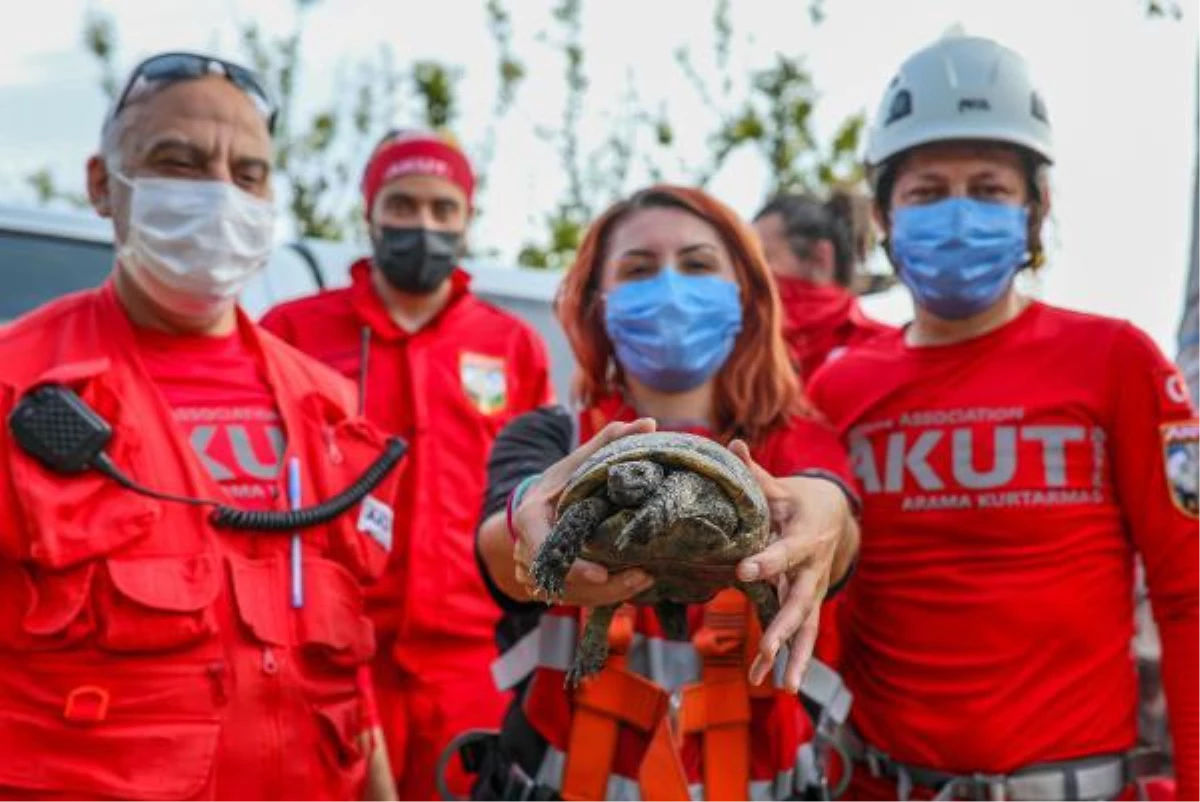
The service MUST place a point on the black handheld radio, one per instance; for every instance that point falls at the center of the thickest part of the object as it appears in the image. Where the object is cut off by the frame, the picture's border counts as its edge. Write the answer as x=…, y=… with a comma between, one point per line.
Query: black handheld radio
x=57, y=428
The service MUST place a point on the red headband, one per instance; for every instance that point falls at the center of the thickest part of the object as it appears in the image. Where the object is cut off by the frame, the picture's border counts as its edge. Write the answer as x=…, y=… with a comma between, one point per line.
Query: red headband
x=421, y=155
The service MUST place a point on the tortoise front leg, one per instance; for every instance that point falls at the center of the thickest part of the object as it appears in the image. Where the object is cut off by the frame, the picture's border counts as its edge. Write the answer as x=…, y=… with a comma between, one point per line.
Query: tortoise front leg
x=562, y=546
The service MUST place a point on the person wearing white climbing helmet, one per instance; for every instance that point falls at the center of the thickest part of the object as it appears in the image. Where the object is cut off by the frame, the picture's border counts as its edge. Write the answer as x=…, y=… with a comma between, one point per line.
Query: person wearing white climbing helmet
x=1014, y=457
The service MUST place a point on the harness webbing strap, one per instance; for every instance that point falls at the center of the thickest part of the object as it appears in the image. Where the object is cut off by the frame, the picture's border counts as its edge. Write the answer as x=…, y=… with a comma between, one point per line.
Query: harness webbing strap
x=719, y=705
x=1096, y=777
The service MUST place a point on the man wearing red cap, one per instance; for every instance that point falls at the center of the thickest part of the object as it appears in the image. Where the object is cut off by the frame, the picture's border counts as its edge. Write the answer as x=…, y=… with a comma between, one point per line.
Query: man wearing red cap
x=445, y=371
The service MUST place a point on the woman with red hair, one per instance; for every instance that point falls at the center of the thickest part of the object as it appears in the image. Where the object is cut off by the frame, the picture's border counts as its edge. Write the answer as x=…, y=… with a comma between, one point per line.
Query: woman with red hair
x=676, y=325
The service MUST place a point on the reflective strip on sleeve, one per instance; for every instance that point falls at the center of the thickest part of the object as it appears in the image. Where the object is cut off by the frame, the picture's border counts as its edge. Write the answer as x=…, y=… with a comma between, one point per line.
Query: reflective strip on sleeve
x=556, y=648
x=551, y=645
x=512, y=667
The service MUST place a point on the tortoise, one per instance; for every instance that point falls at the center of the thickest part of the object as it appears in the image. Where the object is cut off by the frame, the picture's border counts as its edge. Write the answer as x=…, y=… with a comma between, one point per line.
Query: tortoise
x=681, y=507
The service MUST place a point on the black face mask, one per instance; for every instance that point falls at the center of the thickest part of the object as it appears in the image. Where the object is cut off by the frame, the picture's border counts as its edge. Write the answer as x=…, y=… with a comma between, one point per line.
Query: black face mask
x=416, y=260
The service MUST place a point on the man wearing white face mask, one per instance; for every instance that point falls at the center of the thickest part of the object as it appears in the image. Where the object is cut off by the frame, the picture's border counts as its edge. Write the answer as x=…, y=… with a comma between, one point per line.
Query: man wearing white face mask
x=144, y=652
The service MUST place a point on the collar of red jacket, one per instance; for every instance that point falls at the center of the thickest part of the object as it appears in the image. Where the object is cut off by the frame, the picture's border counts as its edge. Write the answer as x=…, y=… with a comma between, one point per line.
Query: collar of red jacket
x=371, y=311
x=124, y=330
x=812, y=307
x=119, y=343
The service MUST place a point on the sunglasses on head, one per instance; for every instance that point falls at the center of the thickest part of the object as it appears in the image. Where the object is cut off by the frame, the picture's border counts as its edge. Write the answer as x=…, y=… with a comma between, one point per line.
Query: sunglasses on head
x=171, y=67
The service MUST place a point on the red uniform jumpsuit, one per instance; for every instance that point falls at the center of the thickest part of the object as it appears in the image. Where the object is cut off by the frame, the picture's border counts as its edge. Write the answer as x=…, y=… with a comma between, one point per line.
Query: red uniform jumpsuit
x=143, y=653
x=447, y=389
x=1007, y=482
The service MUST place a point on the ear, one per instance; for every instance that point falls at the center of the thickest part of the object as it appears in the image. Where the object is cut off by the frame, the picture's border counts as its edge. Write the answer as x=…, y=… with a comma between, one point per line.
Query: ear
x=1044, y=197
x=98, y=186
x=883, y=225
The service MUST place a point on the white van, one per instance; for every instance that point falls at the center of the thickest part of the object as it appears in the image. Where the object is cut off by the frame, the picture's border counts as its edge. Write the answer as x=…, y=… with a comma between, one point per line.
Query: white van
x=46, y=253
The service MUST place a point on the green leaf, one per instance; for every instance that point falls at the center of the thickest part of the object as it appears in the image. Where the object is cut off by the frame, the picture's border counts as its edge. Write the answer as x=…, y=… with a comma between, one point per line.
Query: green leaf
x=664, y=134
x=533, y=256
x=436, y=86
x=747, y=128
x=849, y=134
x=100, y=39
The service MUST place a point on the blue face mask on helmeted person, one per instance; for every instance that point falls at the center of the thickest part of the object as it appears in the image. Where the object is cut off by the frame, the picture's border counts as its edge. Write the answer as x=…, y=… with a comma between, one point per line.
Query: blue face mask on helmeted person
x=672, y=332
x=959, y=256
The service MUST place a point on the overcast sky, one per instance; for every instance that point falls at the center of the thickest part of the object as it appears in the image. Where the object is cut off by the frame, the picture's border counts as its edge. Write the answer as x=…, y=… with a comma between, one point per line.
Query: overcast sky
x=1120, y=90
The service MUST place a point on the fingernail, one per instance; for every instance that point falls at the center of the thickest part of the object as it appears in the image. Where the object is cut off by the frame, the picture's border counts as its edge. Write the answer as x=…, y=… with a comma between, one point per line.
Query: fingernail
x=636, y=580
x=749, y=571
x=593, y=574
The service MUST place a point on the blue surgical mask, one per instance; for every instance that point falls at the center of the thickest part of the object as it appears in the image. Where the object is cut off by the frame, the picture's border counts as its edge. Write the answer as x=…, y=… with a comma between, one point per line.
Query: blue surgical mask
x=672, y=332
x=959, y=256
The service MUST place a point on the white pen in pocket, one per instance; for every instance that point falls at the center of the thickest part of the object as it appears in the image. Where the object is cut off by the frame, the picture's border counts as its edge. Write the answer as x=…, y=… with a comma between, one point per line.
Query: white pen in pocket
x=294, y=502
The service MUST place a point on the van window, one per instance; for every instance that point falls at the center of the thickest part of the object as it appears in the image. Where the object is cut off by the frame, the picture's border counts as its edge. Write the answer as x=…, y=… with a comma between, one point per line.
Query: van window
x=36, y=268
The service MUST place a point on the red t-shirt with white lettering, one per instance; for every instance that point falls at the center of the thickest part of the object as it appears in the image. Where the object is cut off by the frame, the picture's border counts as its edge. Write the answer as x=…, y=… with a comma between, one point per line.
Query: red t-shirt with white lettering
x=221, y=400
x=1007, y=482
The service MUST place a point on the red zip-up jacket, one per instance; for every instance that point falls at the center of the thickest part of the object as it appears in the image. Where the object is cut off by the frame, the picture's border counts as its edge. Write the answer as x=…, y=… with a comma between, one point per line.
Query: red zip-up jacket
x=447, y=389
x=145, y=654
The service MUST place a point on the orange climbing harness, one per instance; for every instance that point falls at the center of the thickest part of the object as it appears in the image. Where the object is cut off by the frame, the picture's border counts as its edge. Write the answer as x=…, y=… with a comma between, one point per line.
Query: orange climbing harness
x=717, y=708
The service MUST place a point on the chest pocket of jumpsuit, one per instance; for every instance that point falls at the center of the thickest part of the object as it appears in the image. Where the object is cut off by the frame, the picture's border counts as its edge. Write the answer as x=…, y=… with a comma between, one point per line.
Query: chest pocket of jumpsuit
x=331, y=627
x=360, y=539
x=129, y=570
